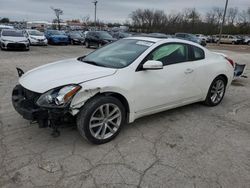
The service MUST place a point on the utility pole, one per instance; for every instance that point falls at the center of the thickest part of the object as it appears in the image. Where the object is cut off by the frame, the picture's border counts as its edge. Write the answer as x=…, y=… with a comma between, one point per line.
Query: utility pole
x=95, y=3
x=223, y=20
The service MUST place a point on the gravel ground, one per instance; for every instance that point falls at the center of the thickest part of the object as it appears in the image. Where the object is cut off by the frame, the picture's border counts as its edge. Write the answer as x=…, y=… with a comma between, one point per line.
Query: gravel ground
x=192, y=146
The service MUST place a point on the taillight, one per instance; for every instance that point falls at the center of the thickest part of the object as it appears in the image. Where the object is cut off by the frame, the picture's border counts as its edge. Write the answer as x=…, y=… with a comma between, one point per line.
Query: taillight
x=230, y=61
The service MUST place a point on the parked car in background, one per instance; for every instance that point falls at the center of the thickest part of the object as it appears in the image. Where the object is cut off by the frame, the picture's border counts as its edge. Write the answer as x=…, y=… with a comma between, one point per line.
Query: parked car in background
x=158, y=35
x=5, y=27
x=121, y=82
x=190, y=37
x=247, y=40
x=121, y=35
x=240, y=38
x=35, y=37
x=202, y=37
x=85, y=33
x=227, y=39
x=76, y=37
x=56, y=37
x=13, y=39
x=98, y=38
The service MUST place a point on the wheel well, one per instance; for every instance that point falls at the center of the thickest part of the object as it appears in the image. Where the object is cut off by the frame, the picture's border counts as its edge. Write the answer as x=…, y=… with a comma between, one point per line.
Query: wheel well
x=120, y=98
x=224, y=76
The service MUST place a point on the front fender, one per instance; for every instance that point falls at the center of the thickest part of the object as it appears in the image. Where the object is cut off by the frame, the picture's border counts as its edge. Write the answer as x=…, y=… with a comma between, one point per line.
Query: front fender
x=87, y=93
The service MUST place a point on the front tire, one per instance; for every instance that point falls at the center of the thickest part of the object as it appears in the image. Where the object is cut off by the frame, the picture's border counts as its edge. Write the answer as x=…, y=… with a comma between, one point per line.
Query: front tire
x=216, y=91
x=101, y=119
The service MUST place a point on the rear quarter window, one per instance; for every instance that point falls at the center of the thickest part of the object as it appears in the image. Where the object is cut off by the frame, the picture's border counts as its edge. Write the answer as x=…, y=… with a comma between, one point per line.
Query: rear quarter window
x=198, y=53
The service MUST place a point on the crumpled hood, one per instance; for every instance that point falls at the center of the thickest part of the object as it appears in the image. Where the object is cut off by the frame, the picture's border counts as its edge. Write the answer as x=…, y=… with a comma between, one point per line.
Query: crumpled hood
x=14, y=39
x=71, y=71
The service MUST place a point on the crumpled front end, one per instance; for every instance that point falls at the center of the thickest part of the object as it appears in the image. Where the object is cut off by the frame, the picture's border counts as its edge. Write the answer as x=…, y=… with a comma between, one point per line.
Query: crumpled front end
x=24, y=102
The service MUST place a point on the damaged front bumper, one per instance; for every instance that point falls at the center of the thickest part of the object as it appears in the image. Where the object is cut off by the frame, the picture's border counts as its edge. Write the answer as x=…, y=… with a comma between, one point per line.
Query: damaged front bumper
x=24, y=102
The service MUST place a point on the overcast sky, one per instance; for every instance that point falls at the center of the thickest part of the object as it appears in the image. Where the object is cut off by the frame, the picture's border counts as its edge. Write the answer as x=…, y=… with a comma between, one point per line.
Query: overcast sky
x=108, y=10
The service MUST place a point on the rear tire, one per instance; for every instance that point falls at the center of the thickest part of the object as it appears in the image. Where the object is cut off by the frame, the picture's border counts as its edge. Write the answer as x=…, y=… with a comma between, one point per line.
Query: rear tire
x=216, y=91
x=101, y=119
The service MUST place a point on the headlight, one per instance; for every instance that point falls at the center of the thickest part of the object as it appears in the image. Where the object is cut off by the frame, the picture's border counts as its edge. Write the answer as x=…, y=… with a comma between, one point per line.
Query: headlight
x=58, y=97
x=24, y=41
x=33, y=38
x=6, y=40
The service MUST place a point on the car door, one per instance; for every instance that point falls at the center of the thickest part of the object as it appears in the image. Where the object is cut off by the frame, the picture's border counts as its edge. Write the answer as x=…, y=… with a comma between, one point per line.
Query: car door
x=170, y=86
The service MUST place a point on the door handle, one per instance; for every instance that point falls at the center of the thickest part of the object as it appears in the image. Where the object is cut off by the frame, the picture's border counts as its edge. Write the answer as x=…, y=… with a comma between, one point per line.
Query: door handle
x=189, y=71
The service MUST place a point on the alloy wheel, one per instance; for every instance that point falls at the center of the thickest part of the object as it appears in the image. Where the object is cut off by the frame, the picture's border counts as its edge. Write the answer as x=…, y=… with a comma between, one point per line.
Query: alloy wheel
x=105, y=121
x=217, y=91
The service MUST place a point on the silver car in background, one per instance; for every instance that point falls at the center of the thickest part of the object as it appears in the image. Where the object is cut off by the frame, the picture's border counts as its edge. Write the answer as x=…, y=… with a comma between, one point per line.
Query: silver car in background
x=13, y=39
x=36, y=37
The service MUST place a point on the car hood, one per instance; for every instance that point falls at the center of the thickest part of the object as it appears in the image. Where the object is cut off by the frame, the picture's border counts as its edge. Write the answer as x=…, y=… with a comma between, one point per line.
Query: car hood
x=14, y=39
x=59, y=36
x=71, y=71
x=37, y=37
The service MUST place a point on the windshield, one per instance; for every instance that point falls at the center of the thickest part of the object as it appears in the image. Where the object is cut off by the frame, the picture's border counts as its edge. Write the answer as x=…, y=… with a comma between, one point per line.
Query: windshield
x=76, y=35
x=56, y=32
x=35, y=33
x=12, y=33
x=104, y=35
x=118, y=54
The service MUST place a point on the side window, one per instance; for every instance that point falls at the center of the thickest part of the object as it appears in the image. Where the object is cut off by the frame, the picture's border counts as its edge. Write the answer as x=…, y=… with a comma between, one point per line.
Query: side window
x=170, y=54
x=198, y=53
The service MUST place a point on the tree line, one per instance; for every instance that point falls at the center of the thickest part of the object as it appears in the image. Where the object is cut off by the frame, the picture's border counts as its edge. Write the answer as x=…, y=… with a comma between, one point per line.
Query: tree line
x=191, y=21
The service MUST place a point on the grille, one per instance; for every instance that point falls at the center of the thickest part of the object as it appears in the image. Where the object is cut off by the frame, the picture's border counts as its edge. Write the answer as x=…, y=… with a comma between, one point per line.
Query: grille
x=30, y=95
x=16, y=45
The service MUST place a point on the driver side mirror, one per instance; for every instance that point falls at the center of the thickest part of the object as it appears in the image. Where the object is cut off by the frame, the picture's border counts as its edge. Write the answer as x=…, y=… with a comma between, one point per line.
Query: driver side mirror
x=152, y=65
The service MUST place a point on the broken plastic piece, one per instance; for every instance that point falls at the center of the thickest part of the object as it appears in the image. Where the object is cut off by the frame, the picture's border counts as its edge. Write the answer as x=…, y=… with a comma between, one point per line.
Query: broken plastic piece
x=20, y=72
x=239, y=70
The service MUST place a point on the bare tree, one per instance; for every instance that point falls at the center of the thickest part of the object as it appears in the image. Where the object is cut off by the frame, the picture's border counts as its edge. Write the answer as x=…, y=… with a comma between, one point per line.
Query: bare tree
x=58, y=12
x=218, y=14
x=231, y=15
x=192, y=15
x=243, y=16
x=148, y=20
x=211, y=17
x=86, y=20
x=190, y=20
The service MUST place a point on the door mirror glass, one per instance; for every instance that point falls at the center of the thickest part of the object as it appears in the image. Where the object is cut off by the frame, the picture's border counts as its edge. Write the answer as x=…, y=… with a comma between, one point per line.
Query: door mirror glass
x=152, y=65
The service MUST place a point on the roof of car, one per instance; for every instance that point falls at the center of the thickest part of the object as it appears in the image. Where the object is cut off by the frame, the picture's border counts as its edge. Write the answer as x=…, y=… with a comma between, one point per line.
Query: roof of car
x=155, y=40
x=12, y=30
x=150, y=39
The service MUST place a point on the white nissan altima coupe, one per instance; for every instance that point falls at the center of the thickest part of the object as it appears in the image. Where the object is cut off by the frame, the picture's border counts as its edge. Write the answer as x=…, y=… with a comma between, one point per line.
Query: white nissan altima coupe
x=121, y=82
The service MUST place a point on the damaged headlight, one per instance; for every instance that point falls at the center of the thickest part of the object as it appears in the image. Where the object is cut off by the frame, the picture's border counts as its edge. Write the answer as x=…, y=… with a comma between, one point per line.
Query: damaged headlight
x=58, y=97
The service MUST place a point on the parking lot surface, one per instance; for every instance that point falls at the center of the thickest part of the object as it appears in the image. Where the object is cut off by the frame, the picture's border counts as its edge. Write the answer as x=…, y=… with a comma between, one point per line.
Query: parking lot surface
x=192, y=146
